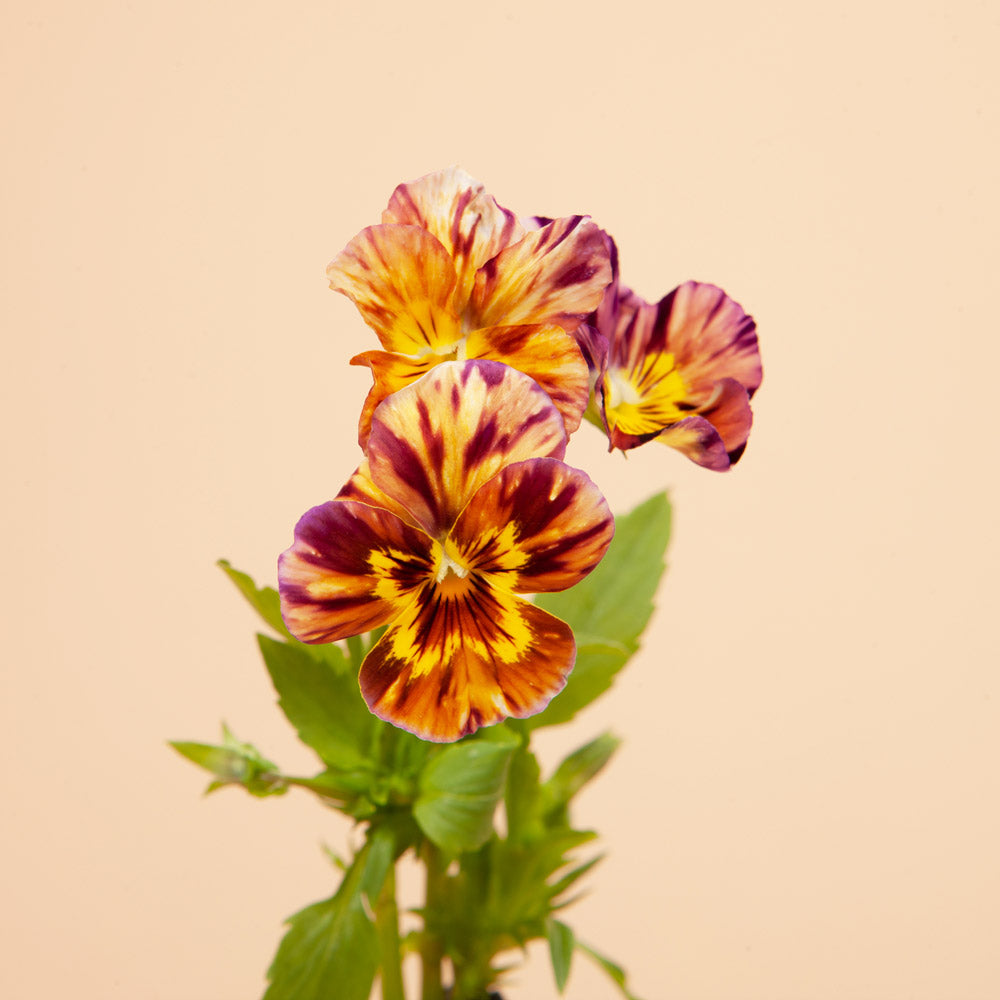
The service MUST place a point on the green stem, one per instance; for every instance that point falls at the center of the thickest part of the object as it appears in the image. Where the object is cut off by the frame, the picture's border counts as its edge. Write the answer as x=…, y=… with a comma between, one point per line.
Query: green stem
x=431, y=948
x=387, y=929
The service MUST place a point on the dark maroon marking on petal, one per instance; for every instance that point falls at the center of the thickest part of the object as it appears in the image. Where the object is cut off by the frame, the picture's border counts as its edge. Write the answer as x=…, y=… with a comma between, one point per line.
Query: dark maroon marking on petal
x=577, y=274
x=482, y=442
x=493, y=372
x=433, y=443
x=737, y=453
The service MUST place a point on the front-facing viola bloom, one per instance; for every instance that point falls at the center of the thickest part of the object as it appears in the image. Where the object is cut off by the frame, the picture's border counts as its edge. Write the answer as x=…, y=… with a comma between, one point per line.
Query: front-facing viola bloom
x=680, y=371
x=461, y=504
x=451, y=275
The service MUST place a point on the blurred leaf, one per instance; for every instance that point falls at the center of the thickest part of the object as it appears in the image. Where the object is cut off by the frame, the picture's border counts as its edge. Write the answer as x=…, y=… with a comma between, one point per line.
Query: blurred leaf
x=576, y=770
x=561, y=944
x=234, y=763
x=264, y=600
x=324, y=705
x=609, y=610
x=331, y=948
x=460, y=789
x=522, y=802
x=615, y=972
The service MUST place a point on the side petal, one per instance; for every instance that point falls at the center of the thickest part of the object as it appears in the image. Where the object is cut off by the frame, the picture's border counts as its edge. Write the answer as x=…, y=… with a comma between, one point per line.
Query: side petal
x=351, y=568
x=401, y=279
x=468, y=222
x=450, y=665
x=710, y=335
x=556, y=274
x=434, y=443
x=550, y=355
x=390, y=373
x=536, y=526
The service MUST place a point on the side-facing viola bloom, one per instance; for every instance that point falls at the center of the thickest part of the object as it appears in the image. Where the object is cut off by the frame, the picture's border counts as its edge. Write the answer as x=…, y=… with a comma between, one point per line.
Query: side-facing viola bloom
x=451, y=275
x=681, y=371
x=461, y=504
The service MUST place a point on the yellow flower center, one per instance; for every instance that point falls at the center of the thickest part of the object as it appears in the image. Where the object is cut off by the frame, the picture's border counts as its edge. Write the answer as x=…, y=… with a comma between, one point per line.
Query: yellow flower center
x=648, y=399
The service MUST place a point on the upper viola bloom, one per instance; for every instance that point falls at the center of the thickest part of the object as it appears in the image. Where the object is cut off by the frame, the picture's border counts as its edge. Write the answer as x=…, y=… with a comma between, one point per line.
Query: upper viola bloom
x=681, y=371
x=461, y=504
x=450, y=275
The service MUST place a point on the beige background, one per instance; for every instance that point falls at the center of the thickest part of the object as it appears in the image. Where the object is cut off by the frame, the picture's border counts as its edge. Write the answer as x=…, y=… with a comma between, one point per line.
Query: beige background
x=807, y=802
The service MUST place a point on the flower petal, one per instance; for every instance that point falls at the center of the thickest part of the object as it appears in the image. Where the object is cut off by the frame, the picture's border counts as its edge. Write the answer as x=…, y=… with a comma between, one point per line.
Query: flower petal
x=452, y=664
x=401, y=279
x=710, y=335
x=550, y=355
x=536, y=526
x=729, y=413
x=556, y=274
x=391, y=372
x=361, y=488
x=700, y=441
x=434, y=443
x=468, y=222
x=351, y=568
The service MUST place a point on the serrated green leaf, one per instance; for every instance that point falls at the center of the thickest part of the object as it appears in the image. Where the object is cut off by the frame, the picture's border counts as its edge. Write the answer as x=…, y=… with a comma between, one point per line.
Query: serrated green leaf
x=460, y=789
x=331, y=948
x=615, y=972
x=561, y=944
x=264, y=600
x=323, y=704
x=581, y=766
x=609, y=610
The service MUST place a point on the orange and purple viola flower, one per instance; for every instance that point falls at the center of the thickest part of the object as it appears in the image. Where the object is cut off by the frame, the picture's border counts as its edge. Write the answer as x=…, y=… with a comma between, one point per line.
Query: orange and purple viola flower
x=461, y=504
x=451, y=275
x=681, y=371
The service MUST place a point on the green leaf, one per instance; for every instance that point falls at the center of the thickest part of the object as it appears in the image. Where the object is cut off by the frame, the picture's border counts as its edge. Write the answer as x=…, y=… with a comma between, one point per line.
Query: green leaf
x=322, y=703
x=523, y=797
x=609, y=610
x=460, y=789
x=561, y=944
x=234, y=763
x=576, y=770
x=615, y=972
x=331, y=947
x=264, y=600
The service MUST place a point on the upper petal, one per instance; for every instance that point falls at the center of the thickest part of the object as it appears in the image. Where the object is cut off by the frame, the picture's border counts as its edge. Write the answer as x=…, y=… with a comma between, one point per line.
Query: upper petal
x=351, y=568
x=556, y=274
x=467, y=221
x=710, y=335
x=536, y=526
x=435, y=442
x=451, y=664
x=390, y=373
x=401, y=279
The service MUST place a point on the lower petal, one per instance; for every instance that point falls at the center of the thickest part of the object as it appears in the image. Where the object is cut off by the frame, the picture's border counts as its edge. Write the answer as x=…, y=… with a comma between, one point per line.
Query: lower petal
x=451, y=664
x=390, y=373
x=700, y=441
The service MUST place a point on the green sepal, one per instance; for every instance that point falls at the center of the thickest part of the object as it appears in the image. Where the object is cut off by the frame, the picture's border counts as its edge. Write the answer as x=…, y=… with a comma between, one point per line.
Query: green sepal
x=609, y=610
x=234, y=763
x=562, y=941
x=331, y=947
x=459, y=790
x=322, y=702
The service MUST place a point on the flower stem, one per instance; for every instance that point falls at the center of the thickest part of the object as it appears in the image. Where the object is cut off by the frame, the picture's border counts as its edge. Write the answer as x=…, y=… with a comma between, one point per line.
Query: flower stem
x=387, y=929
x=431, y=949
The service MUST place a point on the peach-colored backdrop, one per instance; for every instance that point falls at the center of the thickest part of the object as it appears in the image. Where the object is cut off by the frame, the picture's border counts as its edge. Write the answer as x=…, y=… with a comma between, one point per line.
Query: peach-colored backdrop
x=806, y=805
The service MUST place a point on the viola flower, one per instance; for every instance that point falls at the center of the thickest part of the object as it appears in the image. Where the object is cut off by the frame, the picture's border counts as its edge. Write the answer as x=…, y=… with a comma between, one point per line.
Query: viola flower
x=462, y=504
x=681, y=372
x=450, y=275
